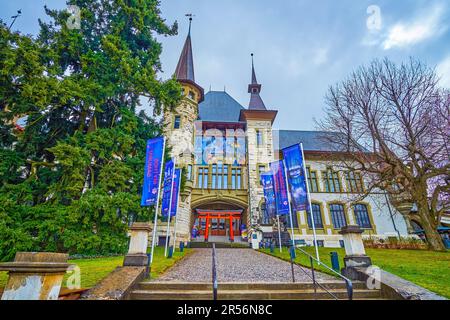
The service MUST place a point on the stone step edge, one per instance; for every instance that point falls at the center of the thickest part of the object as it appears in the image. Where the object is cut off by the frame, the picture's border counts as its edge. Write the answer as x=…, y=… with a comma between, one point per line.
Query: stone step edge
x=245, y=285
x=244, y=292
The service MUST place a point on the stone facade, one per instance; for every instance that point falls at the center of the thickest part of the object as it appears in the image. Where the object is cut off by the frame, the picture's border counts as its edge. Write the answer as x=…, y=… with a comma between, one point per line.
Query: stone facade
x=257, y=155
x=242, y=192
x=180, y=142
x=383, y=225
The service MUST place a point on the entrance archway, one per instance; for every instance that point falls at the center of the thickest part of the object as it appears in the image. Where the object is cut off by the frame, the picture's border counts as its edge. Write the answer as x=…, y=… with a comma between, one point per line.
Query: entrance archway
x=219, y=222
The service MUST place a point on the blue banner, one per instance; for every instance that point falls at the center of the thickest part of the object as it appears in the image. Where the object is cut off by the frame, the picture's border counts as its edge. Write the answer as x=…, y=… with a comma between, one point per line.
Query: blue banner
x=167, y=188
x=280, y=188
x=176, y=187
x=269, y=196
x=153, y=161
x=296, y=177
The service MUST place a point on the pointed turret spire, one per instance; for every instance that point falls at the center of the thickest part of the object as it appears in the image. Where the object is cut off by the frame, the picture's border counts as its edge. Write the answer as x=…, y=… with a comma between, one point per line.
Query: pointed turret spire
x=256, y=103
x=254, y=81
x=185, y=67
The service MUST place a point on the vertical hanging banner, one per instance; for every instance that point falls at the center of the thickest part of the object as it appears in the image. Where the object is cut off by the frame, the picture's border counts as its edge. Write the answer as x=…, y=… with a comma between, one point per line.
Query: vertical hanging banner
x=269, y=195
x=152, y=171
x=175, y=192
x=296, y=177
x=167, y=187
x=280, y=187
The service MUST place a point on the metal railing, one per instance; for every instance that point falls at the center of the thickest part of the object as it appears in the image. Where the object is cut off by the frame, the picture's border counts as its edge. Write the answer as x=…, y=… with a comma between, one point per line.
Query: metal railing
x=348, y=282
x=214, y=272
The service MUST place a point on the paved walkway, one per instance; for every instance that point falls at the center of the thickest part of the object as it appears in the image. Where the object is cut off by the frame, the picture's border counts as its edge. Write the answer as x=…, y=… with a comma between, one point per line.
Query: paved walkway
x=236, y=265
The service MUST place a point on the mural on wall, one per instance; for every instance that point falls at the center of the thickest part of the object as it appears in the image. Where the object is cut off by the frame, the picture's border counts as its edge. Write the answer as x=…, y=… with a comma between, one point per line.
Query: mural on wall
x=214, y=146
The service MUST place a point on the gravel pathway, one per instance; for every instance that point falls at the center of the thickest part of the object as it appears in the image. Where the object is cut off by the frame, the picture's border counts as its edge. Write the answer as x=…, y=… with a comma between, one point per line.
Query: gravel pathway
x=236, y=265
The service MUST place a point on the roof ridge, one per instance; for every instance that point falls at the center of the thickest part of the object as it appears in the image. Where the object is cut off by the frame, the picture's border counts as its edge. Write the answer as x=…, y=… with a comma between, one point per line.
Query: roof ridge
x=229, y=95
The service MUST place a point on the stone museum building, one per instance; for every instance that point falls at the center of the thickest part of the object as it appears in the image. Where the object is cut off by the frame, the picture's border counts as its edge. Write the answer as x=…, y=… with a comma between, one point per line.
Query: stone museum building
x=225, y=146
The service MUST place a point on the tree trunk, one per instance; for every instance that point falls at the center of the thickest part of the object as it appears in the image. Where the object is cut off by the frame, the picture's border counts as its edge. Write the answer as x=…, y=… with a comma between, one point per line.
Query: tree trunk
x=433, y=237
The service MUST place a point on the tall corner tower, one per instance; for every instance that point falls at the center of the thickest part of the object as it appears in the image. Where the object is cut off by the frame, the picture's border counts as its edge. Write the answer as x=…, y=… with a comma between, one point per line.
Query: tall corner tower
x=179, y=130
x=259, y=144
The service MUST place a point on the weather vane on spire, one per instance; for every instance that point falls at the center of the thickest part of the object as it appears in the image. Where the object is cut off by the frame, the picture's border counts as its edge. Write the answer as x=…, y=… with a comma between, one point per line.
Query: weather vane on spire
x=19, y=13
x=190, y=15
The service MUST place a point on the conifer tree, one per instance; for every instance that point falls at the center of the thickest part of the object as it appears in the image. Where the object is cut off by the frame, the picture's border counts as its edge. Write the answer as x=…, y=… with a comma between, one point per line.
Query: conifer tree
x=70, y=180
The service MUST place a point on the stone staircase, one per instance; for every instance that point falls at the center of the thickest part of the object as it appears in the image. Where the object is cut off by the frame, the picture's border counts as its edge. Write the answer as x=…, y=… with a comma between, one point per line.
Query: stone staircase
x=219, y=245
x=249, y=291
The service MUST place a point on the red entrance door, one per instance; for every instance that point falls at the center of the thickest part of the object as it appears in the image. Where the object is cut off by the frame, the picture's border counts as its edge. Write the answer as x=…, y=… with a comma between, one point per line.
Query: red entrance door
x=219, y=223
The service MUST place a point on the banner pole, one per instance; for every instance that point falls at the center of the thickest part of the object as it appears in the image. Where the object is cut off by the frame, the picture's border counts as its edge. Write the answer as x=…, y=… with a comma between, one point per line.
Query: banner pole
x=310, y=205
x=279, y=233
x=155, y=222
x=176, y=213
x=169, y=215
x=289, y=201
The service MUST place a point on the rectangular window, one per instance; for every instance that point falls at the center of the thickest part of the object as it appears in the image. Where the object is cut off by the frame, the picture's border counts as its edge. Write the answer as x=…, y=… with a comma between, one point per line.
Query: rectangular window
x=338, y=216
x=313, y=184
x=331, y=181
x=205, y=178
x=236, y=179
x=265, y=218
x=189, y=172
x=259, y=138
x=317, y=215
x=261, y=170
x=214, y=177
x=177, y=122
x=233, y=179
x=294, y=218
x=225, y=177
x=239, y=179
x=219, y=175
x=202, y=178
x=362, y=216
x=320, y=243
x=355, y=182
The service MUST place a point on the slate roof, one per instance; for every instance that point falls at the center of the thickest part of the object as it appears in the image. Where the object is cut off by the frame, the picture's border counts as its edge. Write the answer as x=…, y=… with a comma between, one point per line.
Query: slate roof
x=219, y=106
x=312, y=140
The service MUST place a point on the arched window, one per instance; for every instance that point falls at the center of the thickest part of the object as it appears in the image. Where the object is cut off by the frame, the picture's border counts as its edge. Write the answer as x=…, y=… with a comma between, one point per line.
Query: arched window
x=317, y=214
x=362, y=216
x=337, y=213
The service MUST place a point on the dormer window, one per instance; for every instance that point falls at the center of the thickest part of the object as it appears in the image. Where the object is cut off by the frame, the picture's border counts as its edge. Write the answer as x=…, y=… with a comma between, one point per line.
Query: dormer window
x=255, y=90
x=176, y=124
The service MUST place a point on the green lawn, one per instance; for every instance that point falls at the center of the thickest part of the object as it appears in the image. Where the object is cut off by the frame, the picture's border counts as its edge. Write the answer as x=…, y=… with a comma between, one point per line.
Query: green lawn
x=428, y=269
x=93, y=270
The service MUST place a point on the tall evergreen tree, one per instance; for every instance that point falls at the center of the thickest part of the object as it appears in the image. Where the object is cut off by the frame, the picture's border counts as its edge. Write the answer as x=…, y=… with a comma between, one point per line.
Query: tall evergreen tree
x=70, y=180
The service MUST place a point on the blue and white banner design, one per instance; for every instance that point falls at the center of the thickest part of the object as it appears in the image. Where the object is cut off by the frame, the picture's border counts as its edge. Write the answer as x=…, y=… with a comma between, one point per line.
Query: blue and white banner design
x=280, y=188
x=176, y=187
x=152, y=171
x=269, y=195
x=296, y=177
x=167, y=189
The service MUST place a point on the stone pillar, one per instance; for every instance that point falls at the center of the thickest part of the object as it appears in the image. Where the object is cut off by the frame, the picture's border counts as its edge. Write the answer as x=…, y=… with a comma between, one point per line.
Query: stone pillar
x=35, y=276
x=355, y=254
x=137, y=251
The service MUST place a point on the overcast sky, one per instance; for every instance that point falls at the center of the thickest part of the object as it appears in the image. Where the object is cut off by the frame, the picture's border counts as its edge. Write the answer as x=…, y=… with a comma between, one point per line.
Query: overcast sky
x=301, y=47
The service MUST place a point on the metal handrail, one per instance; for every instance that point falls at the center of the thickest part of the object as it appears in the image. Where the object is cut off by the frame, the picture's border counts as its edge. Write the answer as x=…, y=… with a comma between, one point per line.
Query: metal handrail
x=214, y=272
x=348, y=282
